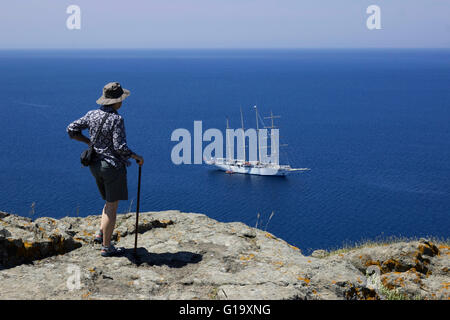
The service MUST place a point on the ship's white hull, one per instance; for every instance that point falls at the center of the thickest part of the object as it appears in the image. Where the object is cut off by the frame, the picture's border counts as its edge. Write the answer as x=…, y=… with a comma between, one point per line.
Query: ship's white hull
x=255, y=168
x=262, y=171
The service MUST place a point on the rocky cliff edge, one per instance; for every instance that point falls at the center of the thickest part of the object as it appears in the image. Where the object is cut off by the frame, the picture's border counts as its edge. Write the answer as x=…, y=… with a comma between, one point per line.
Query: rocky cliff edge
x=191, y=256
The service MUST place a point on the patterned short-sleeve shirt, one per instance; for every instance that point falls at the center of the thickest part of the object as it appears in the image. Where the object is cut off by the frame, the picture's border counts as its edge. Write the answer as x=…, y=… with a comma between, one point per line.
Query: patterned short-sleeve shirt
x=111, y=143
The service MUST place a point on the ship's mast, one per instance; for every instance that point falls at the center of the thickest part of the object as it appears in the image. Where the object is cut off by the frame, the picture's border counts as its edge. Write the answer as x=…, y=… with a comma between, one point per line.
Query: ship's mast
x=271, y=129
x=257, y=134
x=243, y=134
x=228, y=141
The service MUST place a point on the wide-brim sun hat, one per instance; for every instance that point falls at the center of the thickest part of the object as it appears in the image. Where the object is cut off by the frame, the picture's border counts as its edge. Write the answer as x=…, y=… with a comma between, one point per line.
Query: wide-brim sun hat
x=113, y=93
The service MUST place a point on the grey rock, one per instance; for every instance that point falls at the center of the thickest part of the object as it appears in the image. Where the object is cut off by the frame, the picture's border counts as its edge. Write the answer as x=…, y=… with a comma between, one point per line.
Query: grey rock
x=319, y=253
x=3, y=214
x=191, y=256
x=4, y=233
x=23, y=241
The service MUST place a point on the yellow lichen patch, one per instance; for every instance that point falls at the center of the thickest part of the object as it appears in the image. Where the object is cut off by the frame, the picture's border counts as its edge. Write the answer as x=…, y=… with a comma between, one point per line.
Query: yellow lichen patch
x=372, y=263
x=428, y=249
x=269, y=235
x=306, y=280
x=92, y=270
x=27, y=245
x=246, y=258
x=445, y=285
x=387, y=284
x=87, y=234
x=86, y=295
x=391, y=284
x=295, y=248
x=279, y=263
x=27, y=250
x=79, y=239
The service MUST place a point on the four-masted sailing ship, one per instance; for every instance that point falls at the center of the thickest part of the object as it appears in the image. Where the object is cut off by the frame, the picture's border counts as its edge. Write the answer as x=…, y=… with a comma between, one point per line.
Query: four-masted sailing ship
x=258, y=166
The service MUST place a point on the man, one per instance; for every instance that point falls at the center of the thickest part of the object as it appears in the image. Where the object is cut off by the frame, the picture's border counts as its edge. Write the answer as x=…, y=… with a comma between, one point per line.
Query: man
x=111, y=157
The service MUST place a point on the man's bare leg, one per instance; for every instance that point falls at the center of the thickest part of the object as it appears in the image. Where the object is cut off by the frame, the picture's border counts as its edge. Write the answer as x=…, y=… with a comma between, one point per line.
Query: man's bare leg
x=108, y=221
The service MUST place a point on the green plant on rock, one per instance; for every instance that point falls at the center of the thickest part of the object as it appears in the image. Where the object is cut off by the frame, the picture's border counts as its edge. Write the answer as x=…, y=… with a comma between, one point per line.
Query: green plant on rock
x=391, y=294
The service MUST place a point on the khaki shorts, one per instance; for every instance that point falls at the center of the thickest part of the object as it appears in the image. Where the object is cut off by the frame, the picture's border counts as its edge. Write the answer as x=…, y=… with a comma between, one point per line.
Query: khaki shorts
x=111, y=182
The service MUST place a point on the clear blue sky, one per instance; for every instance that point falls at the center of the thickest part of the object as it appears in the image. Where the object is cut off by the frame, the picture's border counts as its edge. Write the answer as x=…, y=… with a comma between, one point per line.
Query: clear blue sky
x=224, y=24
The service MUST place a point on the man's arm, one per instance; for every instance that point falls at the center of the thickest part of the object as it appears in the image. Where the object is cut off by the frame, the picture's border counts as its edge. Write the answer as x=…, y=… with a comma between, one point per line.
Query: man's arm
x=82, y=138
x=139, y=159
x=74, y=129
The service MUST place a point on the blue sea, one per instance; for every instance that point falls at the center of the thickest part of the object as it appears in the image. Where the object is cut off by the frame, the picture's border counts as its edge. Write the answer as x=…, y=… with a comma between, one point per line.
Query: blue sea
x=373, y=126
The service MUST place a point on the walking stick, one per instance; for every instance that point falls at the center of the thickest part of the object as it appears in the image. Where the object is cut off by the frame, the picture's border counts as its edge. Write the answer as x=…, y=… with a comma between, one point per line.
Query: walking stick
x=137, y=212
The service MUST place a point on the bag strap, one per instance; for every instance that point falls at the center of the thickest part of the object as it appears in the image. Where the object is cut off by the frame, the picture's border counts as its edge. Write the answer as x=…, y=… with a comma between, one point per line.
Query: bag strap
x=99, y=129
